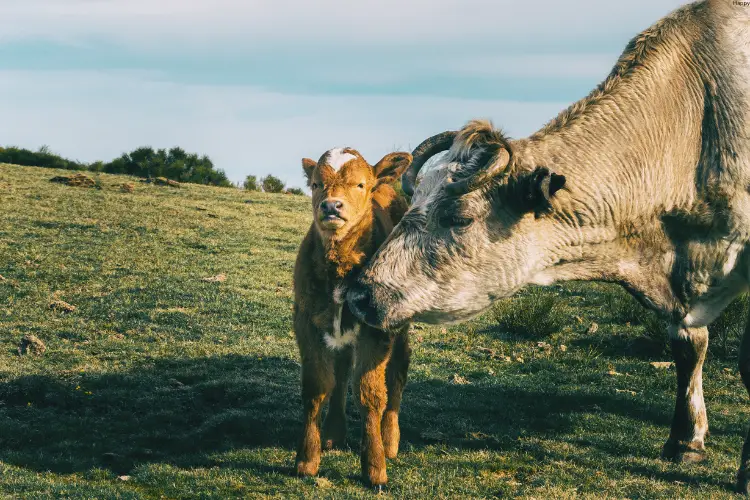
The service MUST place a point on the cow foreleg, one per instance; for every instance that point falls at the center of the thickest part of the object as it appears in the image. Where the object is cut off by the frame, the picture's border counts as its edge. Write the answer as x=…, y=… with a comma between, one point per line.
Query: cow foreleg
x=334, y=428
x=690, y=424
x=396, y=374
x=373, y=353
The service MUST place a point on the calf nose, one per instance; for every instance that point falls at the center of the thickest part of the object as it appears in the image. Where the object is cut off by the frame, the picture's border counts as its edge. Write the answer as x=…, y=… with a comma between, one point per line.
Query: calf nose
x=331, y=207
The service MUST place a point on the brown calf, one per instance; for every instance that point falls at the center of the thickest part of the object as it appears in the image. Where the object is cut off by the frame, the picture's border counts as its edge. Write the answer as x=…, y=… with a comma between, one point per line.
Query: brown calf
x=354, y=210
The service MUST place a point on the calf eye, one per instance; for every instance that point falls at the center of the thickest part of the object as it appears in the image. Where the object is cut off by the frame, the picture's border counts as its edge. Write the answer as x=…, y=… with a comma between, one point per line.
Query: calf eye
x=361, y=186
x=315, y=185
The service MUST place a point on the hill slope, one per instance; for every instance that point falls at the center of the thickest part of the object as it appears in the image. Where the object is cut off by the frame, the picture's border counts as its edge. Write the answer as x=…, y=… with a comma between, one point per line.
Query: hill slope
x=161, y=383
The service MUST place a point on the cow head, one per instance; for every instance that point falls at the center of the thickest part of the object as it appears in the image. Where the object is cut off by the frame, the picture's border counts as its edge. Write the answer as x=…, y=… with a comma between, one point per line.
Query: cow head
x=477, y=231
x=342, y=184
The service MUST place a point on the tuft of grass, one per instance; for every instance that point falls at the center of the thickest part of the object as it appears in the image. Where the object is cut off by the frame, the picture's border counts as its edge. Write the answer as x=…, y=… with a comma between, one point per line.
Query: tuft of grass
x=535, y=315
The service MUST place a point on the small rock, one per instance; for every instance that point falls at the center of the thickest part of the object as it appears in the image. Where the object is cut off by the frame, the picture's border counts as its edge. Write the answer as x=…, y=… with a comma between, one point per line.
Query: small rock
x=123, y=478
x=175, y=383
x=59, y=305
x=662, y=365
x=77, y=180
x=322, y=482
x=219, y=278
x=432, y=435
x=443, y=331
x=30, y=344
x=459, y=380
x=563, y=348
x=592, y=329
x=625, y=391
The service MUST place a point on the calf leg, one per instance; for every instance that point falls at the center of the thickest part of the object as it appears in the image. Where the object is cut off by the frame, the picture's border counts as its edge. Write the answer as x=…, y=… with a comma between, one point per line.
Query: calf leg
x=690, y=424
x=334, y=427
x=743, y=477
x=373, y=353
x=317, y=382
x=395, y=374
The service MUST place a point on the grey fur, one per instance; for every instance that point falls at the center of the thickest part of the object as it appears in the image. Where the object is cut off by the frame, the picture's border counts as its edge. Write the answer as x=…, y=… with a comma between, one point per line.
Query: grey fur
x=656, y=166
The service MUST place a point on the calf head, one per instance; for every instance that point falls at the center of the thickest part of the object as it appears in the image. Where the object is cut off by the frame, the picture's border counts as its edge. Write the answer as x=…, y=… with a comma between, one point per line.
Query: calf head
x=342, y=185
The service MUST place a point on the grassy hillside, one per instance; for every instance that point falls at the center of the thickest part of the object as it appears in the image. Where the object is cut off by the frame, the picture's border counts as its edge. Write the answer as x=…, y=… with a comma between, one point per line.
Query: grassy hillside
x=161, y=384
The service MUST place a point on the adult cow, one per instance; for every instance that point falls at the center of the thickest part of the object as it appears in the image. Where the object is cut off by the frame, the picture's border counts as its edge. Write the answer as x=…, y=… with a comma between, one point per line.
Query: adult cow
x=645, y=183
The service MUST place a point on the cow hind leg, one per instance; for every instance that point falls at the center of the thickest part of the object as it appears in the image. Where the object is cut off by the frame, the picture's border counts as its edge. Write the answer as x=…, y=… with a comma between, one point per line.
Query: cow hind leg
x=373, y=353
x=396, y=374
x=689, y=424
x=317, y=383
x=334, y=427
x=743, y=477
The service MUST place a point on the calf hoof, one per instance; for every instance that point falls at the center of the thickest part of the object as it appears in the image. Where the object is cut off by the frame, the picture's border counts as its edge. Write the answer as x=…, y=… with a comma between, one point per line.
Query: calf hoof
x=743, y=482
x=307, y=469
x=379, y=489
x=334, y=440
x=684, y=453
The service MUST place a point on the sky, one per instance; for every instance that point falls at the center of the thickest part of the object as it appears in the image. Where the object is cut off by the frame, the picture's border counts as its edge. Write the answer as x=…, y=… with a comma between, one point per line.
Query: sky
x=259, y=84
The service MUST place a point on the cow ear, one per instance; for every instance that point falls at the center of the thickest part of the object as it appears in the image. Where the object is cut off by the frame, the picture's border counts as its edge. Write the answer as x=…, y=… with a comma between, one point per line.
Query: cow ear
x=536, y=189
x=390, y=168
x=308, y=166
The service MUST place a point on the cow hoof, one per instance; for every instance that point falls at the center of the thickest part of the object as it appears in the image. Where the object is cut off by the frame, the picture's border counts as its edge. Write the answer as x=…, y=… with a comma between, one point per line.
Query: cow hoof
x=684, y=453
x=691, y=456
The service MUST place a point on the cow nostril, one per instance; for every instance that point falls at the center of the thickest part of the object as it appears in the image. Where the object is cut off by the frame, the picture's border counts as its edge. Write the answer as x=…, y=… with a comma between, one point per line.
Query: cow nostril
x=338, y=205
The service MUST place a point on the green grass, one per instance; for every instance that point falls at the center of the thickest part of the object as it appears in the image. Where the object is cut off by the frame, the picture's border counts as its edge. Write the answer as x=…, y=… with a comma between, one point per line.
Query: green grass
x=190, y=388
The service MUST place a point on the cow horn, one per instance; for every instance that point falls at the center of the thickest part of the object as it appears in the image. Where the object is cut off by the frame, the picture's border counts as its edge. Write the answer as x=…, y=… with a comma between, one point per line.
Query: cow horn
x=427, y=149
x=498, y=165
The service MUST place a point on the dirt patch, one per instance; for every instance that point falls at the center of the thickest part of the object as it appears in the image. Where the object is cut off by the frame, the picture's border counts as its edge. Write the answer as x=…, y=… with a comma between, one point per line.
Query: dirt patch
x=60, y=306
x=77, y=180
x=163, y=181
x=30, y=344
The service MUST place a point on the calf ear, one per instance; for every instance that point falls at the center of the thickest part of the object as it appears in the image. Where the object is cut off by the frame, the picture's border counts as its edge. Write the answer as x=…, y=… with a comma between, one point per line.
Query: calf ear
x=537, y=188
x=308, y=166
x=390, y=168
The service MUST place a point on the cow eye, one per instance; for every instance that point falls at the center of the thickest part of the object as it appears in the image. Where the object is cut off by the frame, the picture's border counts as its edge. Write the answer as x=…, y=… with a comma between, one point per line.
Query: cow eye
x=361, y=185
x=448, y=221
x=315, y=185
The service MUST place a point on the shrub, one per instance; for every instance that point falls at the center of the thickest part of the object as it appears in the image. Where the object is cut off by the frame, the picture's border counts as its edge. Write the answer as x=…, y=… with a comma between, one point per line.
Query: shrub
x=175, y=164
x=272, y=184
x=295, y=191
x=251, y=183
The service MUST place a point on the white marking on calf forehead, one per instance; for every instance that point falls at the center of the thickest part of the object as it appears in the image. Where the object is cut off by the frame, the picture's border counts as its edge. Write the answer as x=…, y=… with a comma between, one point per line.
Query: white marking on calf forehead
x=337, y=158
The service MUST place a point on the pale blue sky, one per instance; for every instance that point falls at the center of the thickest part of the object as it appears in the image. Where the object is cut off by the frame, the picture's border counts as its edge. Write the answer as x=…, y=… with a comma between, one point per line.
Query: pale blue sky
x=257, y=85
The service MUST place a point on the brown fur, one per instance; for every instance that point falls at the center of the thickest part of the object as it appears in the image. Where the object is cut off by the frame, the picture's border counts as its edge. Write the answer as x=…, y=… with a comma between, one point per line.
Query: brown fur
x=327, y=257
